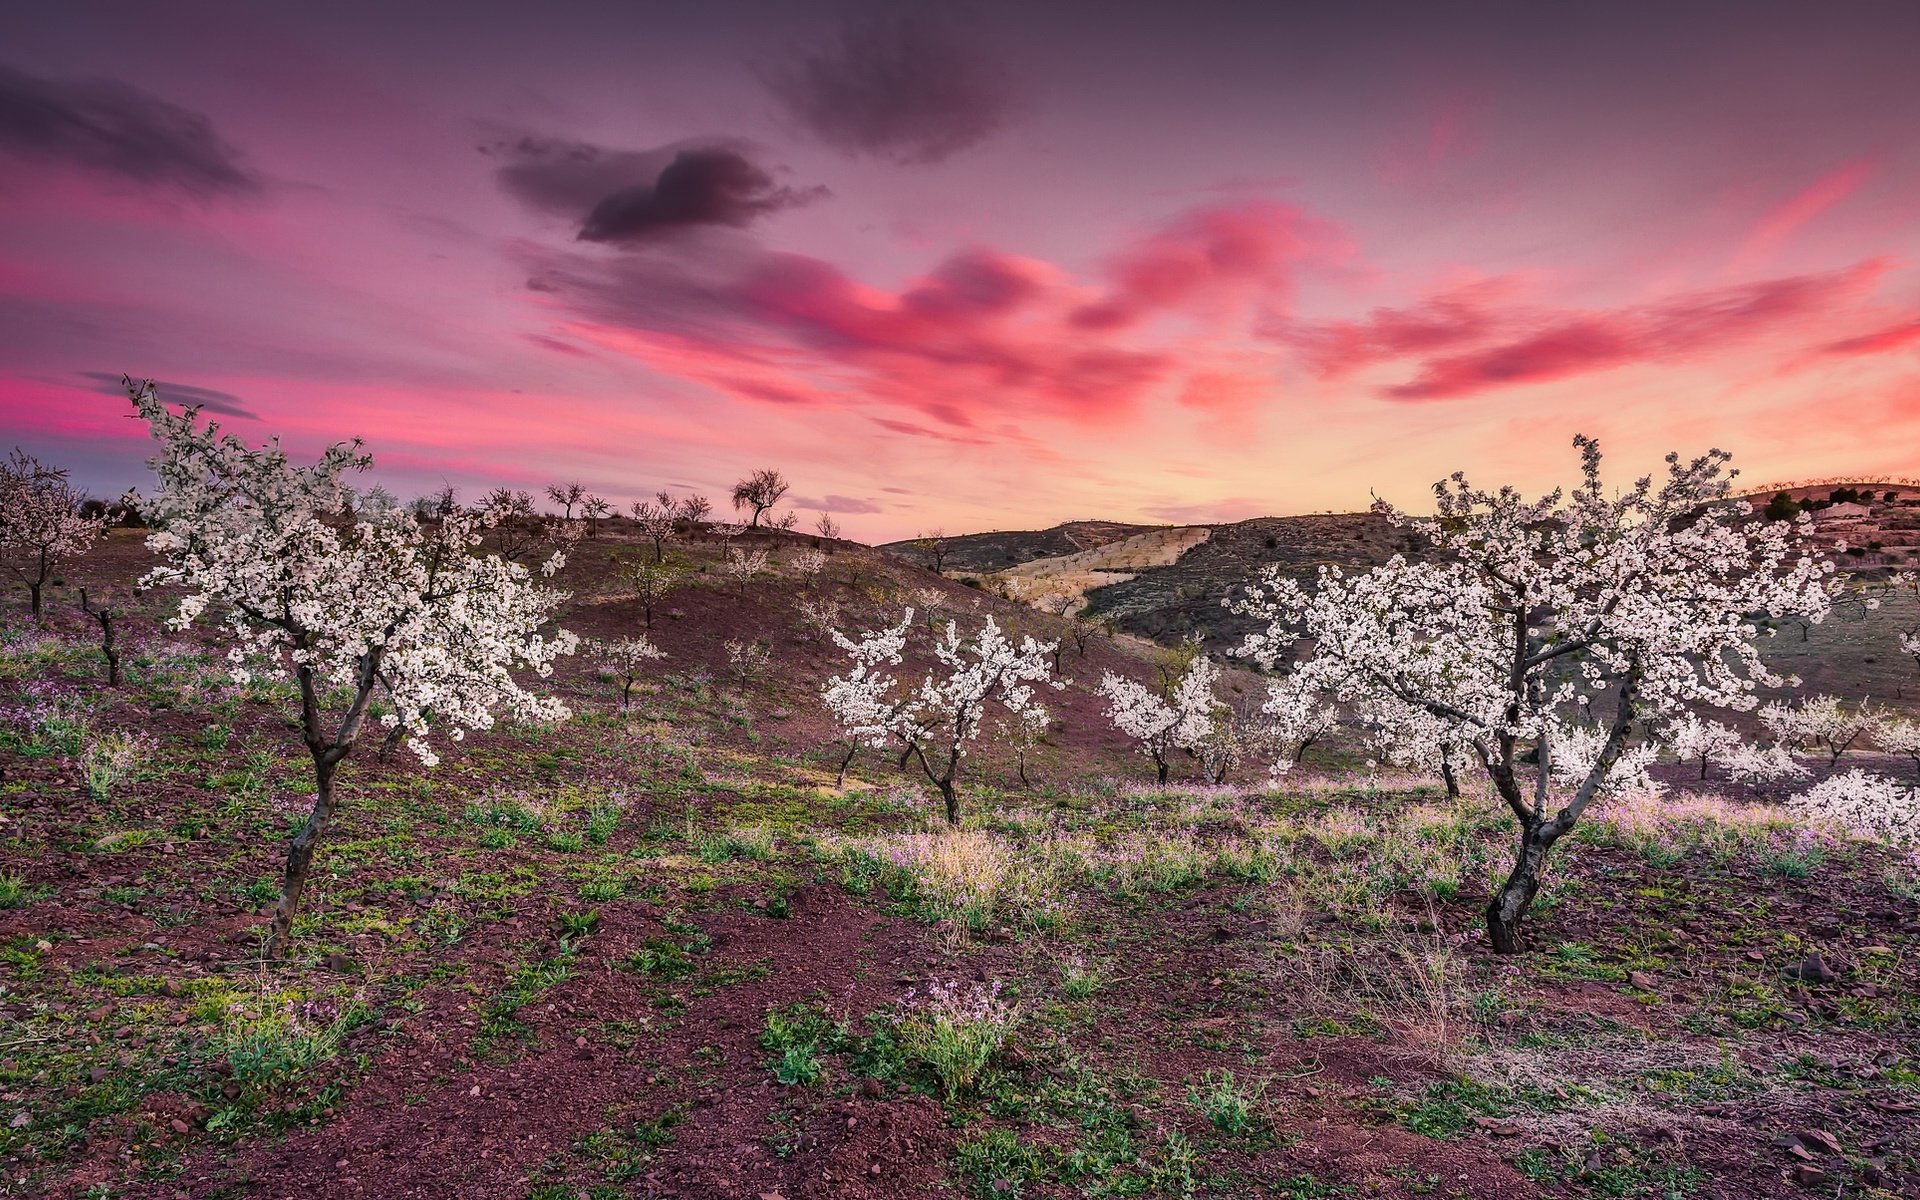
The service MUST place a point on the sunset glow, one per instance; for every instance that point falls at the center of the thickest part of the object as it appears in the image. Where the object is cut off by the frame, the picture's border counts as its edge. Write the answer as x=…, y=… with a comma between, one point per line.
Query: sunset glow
x=1146, y=263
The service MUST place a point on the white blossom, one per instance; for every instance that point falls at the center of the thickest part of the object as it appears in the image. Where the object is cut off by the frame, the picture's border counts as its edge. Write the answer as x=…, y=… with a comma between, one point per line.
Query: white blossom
x=1180, y=721
x=354, y=606
x=1641, y=605
x=1297, y=717
x=40, y=522
x=1865, y=802
x=936, y=722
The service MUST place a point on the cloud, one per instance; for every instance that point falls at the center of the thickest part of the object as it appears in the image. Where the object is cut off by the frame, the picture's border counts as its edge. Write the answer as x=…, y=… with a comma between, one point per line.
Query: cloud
x=634, y=196
x=1225, y=254
x=895, y=87
x=1881, y=341
x=1471, y=340
x=835, y=503
x=115, y=129
x=980, y=343
x=1780, y=224
x=207, y=399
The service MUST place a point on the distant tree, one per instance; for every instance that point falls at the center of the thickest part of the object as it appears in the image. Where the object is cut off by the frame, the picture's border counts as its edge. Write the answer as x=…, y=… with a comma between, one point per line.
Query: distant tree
x=567, y=496
x=383, y=605
x=784, y=522
x=625, y=658
x=594, y=508
x=749, y=660
x=651, y=582
x=40, y=522
x=1782, y=507
x=827, y=527
x=744, y=565
x=1182, y=720
x=808, y=564
x=694, y=510
x=759, y=491
x=932, y=547
x=1297, y=718
x=658, y=520
x=519, y=530
x=1824, y=722
x=1022, y=727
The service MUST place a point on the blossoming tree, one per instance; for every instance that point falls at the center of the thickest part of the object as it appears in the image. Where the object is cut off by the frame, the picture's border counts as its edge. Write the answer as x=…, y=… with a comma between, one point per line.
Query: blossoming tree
x=1182, y=720
x=939, y=721
x=1635, y=606
x=626, y=659
x=375, y=606
x=863, y=701
x=40, y=522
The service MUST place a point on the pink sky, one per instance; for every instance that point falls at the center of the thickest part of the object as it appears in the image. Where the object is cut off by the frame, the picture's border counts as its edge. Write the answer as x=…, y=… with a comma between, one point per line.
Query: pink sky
x=1146, y=263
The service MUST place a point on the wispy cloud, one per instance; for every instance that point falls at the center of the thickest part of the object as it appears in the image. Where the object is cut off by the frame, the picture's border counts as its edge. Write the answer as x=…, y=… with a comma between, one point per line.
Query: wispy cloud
x=114, y=129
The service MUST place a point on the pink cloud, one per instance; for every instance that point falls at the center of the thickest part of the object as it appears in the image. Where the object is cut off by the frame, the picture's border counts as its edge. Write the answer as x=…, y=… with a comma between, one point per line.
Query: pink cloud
x=981, y=331
x=1781, y=223
x=1881, y=341
x=1469, y=340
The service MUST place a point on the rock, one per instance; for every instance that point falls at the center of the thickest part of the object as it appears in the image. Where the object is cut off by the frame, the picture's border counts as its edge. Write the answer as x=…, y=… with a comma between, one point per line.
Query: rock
x=1820, y=1138
x=870, y=1088
x=179, y=1126
x=339, y=963
x=1814, y=969
x=1643, y=981
x=1807, y=1175
x=169, y=988
x=21, y=1120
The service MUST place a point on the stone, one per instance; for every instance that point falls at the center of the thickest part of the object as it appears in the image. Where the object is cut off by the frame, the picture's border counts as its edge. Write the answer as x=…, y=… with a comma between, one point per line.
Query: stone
x=1820, y=1138
x=1643, y=981
x=1814, y=969
x=1808, y=1175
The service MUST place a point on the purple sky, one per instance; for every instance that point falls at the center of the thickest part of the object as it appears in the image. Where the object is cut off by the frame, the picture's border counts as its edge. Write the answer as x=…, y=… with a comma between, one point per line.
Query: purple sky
x=971, y=266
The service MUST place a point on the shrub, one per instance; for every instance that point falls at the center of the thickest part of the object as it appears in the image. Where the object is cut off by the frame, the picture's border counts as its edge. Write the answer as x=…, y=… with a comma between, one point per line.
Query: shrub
x=957, y=1032
x=1232, y=1106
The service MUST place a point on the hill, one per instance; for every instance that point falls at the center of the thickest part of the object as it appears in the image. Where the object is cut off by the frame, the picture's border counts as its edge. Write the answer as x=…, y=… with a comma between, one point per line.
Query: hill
x=657, y=950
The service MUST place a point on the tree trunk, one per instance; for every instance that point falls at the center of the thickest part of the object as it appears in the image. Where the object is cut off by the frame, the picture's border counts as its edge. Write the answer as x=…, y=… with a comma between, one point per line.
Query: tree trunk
x=1161, y=764
x=1509, y=905
x=626, y=694
x=952, y=798
x=840, y=779
x=1447, y=776
x=33, y=589
x=300, y=857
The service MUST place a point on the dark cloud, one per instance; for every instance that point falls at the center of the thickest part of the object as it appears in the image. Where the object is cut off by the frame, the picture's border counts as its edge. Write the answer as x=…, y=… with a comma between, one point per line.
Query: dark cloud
x=895, y=87
x=119, y=130
x=629, y=196
x=833, y=502
x=210, y=400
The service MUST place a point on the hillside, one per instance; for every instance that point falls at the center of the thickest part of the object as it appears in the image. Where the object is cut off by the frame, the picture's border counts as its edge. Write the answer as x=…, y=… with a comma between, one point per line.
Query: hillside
x=657, y=951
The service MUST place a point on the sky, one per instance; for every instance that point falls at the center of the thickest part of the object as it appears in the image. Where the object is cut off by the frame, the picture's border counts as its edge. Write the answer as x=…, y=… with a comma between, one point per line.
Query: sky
x=970, y=265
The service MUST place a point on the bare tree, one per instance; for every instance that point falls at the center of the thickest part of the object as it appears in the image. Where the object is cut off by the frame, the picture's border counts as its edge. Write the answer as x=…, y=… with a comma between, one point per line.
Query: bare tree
x=760, y=491
x=933, y=548
x=695, y=510
x=40, y=522
x=567, y=495
x=593, y=508
x=104, y=615
x=827, y=527
x=658, y=519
